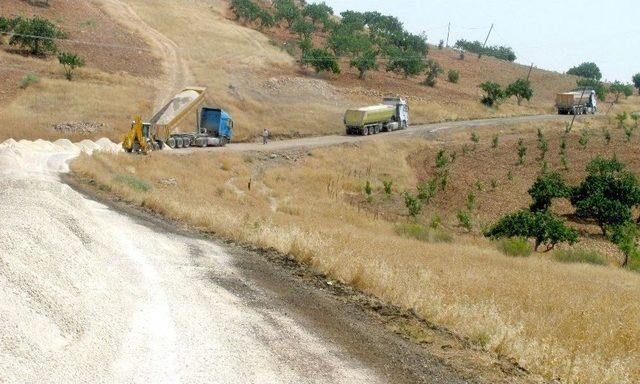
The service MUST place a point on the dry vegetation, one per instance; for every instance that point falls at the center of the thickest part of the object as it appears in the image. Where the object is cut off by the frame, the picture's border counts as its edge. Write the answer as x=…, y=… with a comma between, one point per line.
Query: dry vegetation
x=576, y=322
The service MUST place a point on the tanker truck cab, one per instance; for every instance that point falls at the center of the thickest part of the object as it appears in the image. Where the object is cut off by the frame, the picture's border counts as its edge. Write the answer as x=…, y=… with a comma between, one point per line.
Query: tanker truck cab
x=402, y=110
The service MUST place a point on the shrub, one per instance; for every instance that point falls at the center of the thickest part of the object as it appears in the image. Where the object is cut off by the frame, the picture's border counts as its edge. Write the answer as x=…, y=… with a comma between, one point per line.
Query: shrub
x=618, y=89
x=303, y=28
x=28, y=80
x=427, y=190
x=245, y=10
x=464, y=220
x=453, y=76
x=475, y=139
x=625, y=236
x=522, y=151
x=321, y=60
x=286, y=10
x=515, y=246
x=621, y=118
x=38, y=35
x=388, y=187
x=442, y=159
x=441, y=45
x=494, y=93
x=578, y=256
x=368, y=190
x=584, y=138
x=607, y=136
x=521, y=89
x=494, y=141
x=413, y=204
x=636, y=81
x=471, y=201
x=433, y=70
x=70, y=62
x=430, y=235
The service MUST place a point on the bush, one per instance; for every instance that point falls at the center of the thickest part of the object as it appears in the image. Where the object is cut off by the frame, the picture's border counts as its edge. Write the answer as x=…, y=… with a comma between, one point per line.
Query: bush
x=28, y=80
x=38, y=35
x=515, y=246
x=494, y=93
x=433, y=70
x=578, y=256
x=464, y=220
x=522, y=151
x=427, y=190
x=321, y=60
x=421, y=233
x=413, y=204
x=636, y=81
x=521, y=89
x=453, y=76
x=388, y=187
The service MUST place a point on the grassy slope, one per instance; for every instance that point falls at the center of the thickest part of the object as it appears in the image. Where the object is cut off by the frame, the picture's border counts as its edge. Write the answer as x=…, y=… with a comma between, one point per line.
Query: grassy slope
x=568, y=321
x=115, y=84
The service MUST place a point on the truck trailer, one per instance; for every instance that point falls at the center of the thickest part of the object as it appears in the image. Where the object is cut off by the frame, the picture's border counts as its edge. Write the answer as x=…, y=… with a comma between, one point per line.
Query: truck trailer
x=214, y=126
x=578, y=102
x=391, y=115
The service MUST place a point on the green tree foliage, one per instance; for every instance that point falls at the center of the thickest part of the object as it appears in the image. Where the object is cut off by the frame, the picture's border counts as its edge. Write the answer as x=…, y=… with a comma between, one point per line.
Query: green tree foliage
x=499, y=52
x=607, y=194
x=453, y=76
x=38, y=35
x=543, y=227
x=521, y=89
x=70, y=62
x=365, y=61
x=407, y=63
x=318, y=12
x=413, y=204
x=433, y=70
x=286, y=10
x=636, y=81
x=388, y=187
x=266, y=19
x=321, y=60
x=587, y=70
x=245, y=10
x=427, y=190
x=547, y=187
x=494, y=93
x=618, y=89
x=464, y=220
x=303, y=28
x=625, y=236
x=596, y=85
x=522, y=151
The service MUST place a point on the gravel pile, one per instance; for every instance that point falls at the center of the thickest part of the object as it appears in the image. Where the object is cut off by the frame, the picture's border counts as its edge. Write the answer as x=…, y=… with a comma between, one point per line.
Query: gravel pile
x=298, y=86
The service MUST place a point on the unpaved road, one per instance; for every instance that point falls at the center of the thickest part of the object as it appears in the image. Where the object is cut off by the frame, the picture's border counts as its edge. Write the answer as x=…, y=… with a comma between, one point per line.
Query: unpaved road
x=89, y=295
x=424, y=130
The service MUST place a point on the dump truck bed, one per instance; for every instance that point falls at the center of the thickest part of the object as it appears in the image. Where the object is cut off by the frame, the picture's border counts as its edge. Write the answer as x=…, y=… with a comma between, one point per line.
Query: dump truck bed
x=369, y=115
x=572, y=99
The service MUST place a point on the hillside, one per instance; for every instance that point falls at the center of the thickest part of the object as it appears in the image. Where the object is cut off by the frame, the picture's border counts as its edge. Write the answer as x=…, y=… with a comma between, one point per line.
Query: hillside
x=246, y=72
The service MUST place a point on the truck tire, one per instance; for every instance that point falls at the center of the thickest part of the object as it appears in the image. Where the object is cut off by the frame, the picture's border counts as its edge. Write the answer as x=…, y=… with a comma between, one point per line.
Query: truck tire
x=171, y=142
x=365, y=131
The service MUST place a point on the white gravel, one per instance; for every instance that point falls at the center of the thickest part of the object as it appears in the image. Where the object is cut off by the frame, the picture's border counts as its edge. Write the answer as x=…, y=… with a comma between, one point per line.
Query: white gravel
x=88, y=295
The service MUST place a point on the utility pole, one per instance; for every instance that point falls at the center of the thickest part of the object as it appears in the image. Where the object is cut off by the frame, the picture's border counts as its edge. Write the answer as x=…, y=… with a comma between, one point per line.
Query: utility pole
x=529, y=74
x=485, y=42
x=448, y=33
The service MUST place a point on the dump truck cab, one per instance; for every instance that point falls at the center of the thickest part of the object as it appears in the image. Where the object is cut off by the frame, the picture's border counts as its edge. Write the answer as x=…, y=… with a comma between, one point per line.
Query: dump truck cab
x=215, y=127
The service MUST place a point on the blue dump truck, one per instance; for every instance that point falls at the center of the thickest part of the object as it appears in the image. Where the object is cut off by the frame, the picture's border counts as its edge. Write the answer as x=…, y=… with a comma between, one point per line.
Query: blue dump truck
x=214, y=126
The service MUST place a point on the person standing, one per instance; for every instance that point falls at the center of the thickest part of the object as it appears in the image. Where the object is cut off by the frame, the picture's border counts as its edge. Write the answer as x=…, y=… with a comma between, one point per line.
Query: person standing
x=265, y=136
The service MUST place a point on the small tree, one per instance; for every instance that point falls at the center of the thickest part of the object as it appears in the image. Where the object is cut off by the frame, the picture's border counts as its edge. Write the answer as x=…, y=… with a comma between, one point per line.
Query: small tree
x=70, y=62
x=636, y=81
x=413, y=204
x=317, y=12
x=364, y=62
x=494, y=93
x=321, y=60
x=587, y=70
x=625, y=236
x=464, y=220
x=547, y=187
x=522, y=151
x=618, y=89
x=521, y=89
x=607, y=194
x=303, y=28
x=600, y=89
x=427, y=190
x=433, y=70
x=494, y=141
x=475, y=139
x=388, y=187
x=453, y=76
x=408, y=63
x=441, y=45
x=38, y=35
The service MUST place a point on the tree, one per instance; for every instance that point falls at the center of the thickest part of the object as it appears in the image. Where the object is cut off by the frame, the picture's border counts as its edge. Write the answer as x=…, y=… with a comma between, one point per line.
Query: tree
x=433, y=70
x=303, y=28
x=587, y=70
x=36, y=34
x=625, y=236
x=245, y=10
x=317, y=12
x=266, y=19
x=494, y=93
x=366, y=61
x=499, y=52
x=413, y=204
x=321, y=60
x=607, y=194
x=544, y=227
x=589, y=84
x=521, y=89
x=286, y=10
x=547, y=187
x=617, y=89
x=636, y=81
x=408, y=63
x=70, y=62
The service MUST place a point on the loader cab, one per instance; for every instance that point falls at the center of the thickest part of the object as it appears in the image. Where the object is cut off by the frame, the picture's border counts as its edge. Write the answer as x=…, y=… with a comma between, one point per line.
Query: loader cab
x=402, y=110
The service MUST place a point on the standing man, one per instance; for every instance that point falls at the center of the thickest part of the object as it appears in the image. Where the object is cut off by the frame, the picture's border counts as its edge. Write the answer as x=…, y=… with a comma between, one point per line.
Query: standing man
x=265, y=136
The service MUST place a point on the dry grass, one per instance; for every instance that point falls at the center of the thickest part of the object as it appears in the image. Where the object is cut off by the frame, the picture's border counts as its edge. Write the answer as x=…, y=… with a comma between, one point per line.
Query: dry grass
x=575, y=322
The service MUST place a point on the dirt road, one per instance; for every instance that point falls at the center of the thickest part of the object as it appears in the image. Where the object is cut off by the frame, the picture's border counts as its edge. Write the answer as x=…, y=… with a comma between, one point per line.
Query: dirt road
x=91, y=295
x=425, y=130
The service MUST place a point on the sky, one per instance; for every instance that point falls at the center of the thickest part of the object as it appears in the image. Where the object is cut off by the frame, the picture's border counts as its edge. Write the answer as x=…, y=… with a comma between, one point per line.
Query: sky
x=551, y=34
